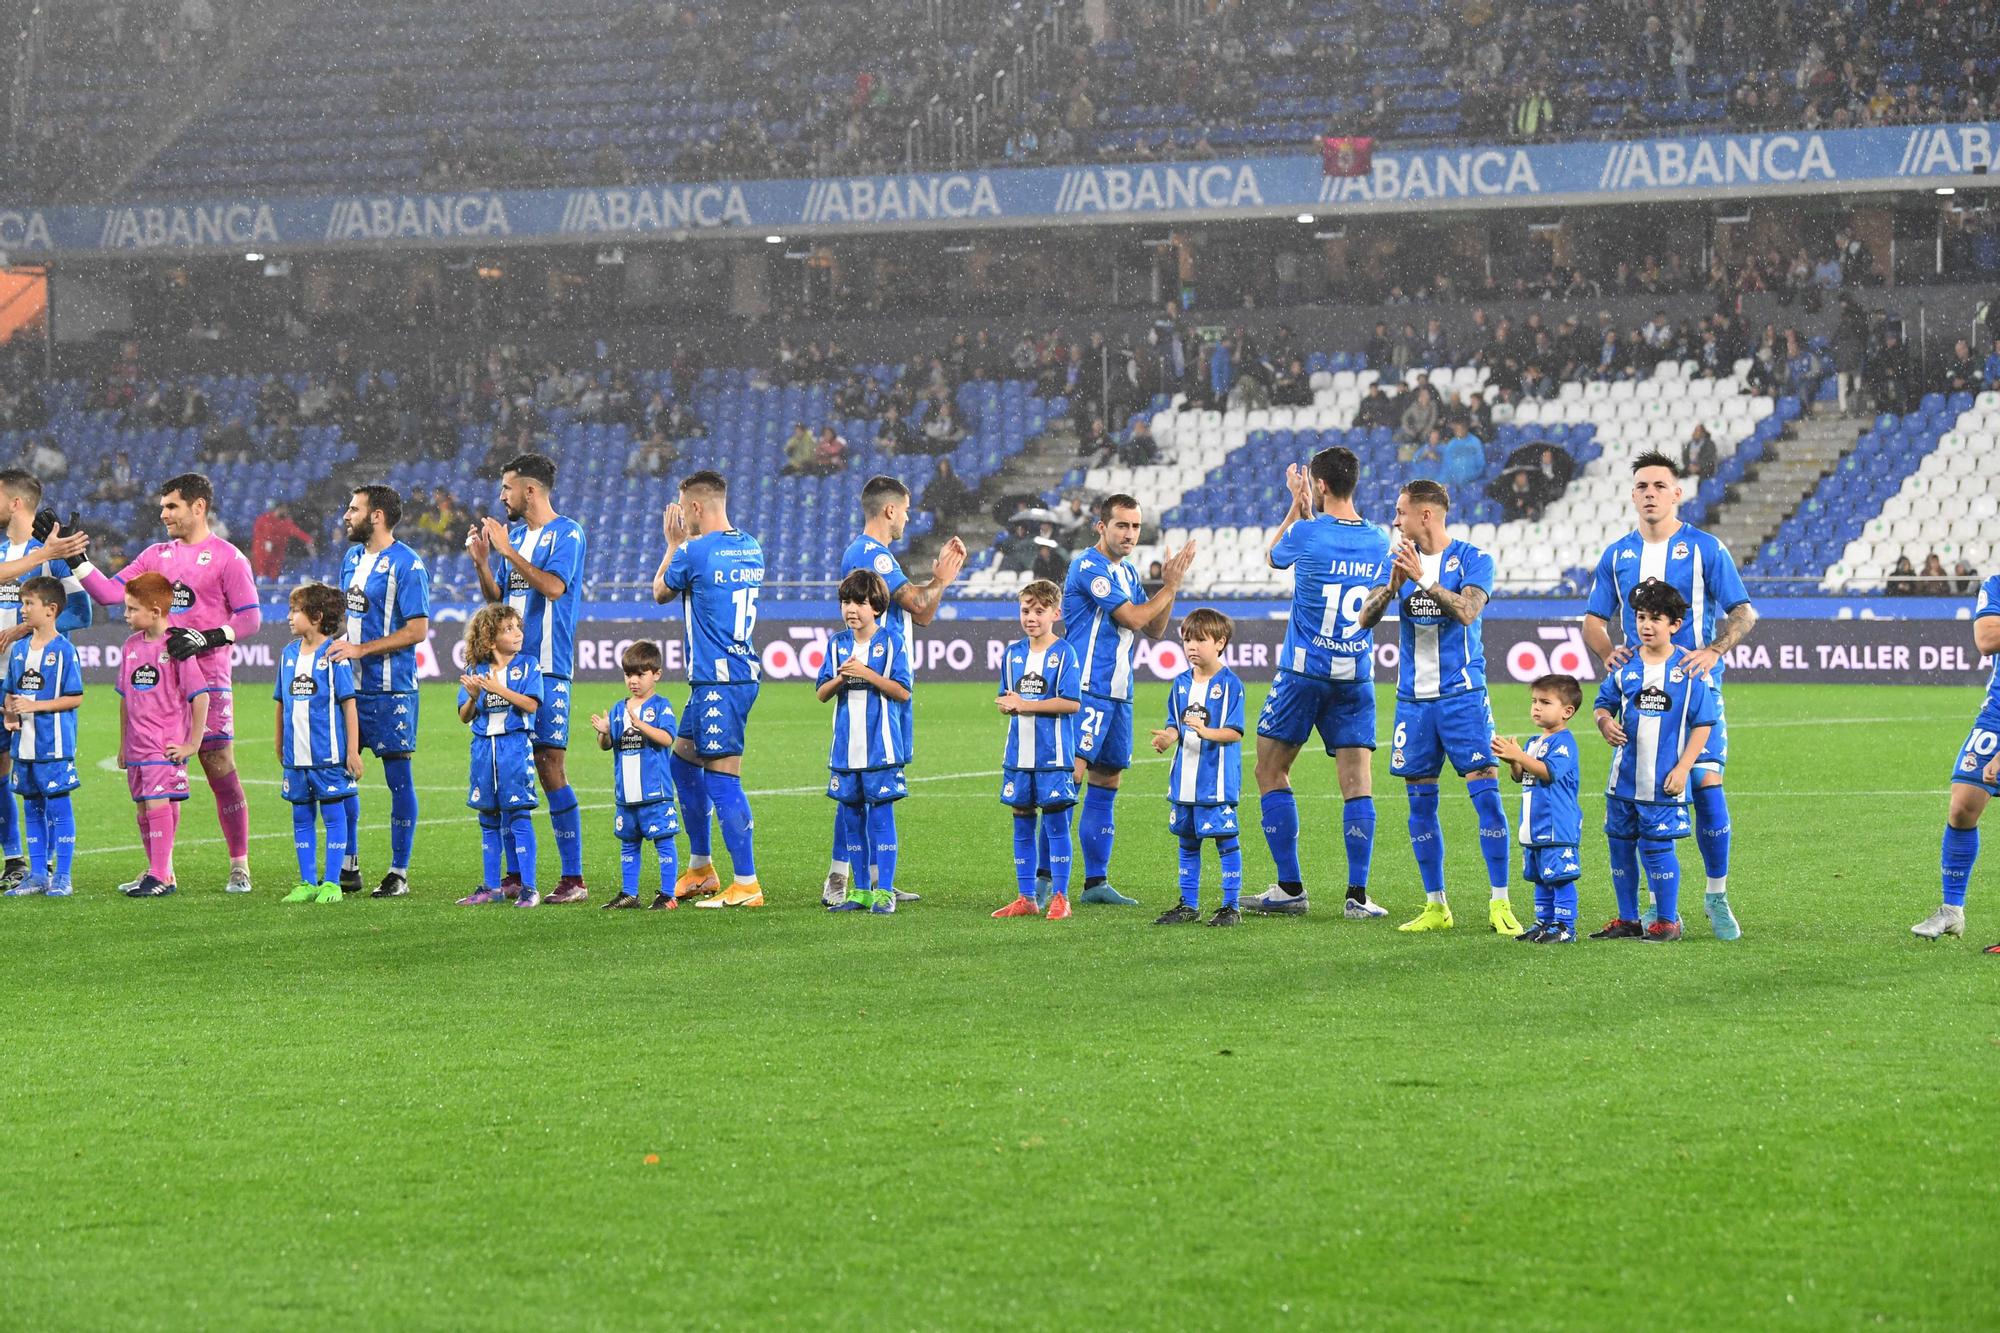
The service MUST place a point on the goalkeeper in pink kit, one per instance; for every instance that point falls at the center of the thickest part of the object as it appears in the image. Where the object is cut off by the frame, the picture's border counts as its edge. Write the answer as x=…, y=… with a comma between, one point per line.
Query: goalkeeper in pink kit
x=215, y=604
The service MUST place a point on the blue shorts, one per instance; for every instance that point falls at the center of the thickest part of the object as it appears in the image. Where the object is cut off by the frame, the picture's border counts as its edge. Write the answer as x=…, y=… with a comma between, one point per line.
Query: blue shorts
x=551, y=720
x=1715, y=754
x=44, y=777
x=1550, y=865
x=387, y=722
x=651, y=822
x=1644, y=819
x=1104, y=732
x=503, y=773
x=1343, y=712
x=716, y=717
x=1202, y=821
x=1037, y=788
x=867, y=786
x=310, y=786
x=1981, y=743
x=1430, y=731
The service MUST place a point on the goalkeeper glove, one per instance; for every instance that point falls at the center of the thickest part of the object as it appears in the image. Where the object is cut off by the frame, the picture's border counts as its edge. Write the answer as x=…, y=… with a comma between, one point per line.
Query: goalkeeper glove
x=45, y=523
x=185, y=643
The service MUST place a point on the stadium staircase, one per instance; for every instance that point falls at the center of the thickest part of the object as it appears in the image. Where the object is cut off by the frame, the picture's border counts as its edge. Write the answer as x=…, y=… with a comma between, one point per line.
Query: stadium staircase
x=1774, y=488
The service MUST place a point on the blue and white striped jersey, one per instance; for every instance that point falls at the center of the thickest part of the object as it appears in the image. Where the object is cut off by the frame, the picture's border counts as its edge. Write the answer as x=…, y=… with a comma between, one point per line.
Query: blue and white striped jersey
x=1989, y=605
x=310, y=686
x=870, y=730
x=51, y=671
x=386, y=590
x=864, y=552
x=640, y=773
x=1550, y=814
x=1658, y=704
x=1204, y=772
x=1441, y=657
x=719, y=575
x=1693, y=562
x=1096, y=587
x=548, y=625
x=496, y=716
x=1041, y=740
x=1335, y=564
x=78, y=609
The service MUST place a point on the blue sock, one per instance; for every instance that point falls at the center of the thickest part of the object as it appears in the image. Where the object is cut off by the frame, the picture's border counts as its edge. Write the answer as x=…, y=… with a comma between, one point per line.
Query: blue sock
x=1545, y=904
x=1095, y=829
x=10, y=822
x=511, y=852
x=1025, y=843
x=492, y=860
x=882, y=843
x=1042, y=844
x=732, y=811
x=1961, y=849
x=691, y=785
x=335, y=815
x=850, y=844
x=1055, y=832
x=37, y=835
x=567, y=822
x=61, y=837
x=1357, y=824
x=628, y=866
x=1278, y=811
x=1230, y=852
x=402, y=781
x=1485, y=794
x=1711, y=820
x=670, y=863
x=350, y=852
x=1427, y=836
x=1663, y=873
x=1565, y=903
x=304, y=834
x=1625, y=876
x=1191, y=871
x=522, y=824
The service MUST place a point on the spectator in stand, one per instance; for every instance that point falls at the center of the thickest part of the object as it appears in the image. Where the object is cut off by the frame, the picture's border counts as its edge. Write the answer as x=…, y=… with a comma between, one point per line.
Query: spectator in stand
x=942, y=428
x=1423, y=411
x=1140, y=448
x=892, y=434
x=1156, y=578
x=1962, y=372
x=1464, y=456
x=1518, y=496
x=1889, y=381
x=443, y=521
x=1293, y=387
x=945, y=496
x=1381, y=348
x=1073, y=521
x=1990, y=374
x=45, y=458
x=829, y=453
x=1699, y=456
x=115, y=481
x=1019, y=551
x=1965, y=579
x=1377, y=409
x=1903, y=578
x=272, y=537
x=652, y=456
x=1095, y=447
x=799, y=450
x=1934, y=580
x=229, y=443
x=1850, y=348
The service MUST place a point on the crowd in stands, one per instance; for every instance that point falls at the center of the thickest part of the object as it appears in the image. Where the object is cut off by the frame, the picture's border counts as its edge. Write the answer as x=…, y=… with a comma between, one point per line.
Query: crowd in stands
x=1933, y=580
x=831, y=87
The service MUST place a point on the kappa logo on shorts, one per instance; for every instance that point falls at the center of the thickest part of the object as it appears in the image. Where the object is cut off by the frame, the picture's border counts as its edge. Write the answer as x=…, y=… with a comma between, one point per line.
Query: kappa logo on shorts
x=713, y=712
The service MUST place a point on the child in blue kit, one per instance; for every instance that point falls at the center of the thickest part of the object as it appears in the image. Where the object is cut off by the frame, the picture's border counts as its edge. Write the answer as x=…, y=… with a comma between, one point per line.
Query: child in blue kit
x=1205, y=731
x=1041, y=691
x=498, y=695
x=1658, y=715
x=1551, y=819
x=867, y=675
x=318, y=739
x=640, y=731
x=44, y=688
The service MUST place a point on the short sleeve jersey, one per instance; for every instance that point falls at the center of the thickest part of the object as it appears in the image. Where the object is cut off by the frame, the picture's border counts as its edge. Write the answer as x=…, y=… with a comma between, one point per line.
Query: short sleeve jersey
x=159, y=694
x=640, y=771
x=1095, y=588
x=1658, y=704
x=1440, y=657
x=51, y=671
x=1335, y=564
x=719, y=575
x=1550, y=815
x=385, y=590
x=212, y=582
x=870, y=730
x=1206, y=772
x=1044, y=741
x=1694, y=563
x=864, y=552
x=497, y=716
x=548, y=624
x=310, y=688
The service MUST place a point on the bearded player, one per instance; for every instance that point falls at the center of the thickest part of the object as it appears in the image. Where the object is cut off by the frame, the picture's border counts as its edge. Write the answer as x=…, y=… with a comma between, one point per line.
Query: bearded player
x=215, y=606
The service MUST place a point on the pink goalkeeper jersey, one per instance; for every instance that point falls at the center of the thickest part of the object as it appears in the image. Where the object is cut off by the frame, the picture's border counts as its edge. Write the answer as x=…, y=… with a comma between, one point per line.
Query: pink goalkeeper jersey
x=213, y=587
x=159, y=694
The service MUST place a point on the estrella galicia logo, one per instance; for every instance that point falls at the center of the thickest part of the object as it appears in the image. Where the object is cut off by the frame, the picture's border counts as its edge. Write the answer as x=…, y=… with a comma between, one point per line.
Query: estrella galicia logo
x=183, y=597
x=145, y=676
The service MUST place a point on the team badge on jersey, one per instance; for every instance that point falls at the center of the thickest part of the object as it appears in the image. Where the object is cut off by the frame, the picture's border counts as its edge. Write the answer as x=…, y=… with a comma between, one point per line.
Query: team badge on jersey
x=884, y=563
x=1100, y=586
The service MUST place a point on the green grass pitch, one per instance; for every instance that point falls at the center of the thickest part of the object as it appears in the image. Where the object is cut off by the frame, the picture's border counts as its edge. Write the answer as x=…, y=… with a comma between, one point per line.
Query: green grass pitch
x=222, y=1112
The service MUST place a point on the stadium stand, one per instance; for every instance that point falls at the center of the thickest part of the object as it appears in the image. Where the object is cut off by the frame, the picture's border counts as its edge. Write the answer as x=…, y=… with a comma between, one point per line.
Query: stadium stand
x=392, y=93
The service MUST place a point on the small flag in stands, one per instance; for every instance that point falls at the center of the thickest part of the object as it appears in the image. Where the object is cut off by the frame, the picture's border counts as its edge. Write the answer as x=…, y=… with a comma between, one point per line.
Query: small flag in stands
x=1346, y=155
